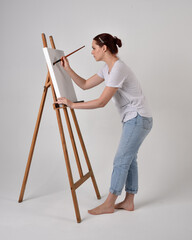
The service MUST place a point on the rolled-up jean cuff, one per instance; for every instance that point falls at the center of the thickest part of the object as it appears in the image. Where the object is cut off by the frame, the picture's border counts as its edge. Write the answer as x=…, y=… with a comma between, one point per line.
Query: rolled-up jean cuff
x=131, y=191
x=114, y=192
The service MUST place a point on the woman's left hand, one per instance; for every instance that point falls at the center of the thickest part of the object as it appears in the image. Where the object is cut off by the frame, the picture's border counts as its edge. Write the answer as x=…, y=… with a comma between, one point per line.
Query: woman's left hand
x=65, y=101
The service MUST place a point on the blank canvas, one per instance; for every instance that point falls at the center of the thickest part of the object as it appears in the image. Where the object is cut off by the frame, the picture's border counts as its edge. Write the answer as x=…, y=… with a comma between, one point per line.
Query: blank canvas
x=61, y=80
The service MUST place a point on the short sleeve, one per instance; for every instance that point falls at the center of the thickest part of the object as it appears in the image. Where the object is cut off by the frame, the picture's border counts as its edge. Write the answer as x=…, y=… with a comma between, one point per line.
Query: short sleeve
x=116, y=78
x=100, y=73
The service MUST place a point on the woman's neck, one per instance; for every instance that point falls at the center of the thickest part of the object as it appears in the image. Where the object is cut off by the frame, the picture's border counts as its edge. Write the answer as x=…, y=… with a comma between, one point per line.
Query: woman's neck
x=110, y=61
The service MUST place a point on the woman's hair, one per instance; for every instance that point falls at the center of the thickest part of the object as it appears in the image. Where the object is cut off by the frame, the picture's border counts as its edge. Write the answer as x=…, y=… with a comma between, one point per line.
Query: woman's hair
x=108, y=40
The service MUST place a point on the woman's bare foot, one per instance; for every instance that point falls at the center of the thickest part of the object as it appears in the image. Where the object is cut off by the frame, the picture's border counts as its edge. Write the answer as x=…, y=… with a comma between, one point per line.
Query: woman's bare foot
x=106, y=207
x=101, y=209
x=125, y=205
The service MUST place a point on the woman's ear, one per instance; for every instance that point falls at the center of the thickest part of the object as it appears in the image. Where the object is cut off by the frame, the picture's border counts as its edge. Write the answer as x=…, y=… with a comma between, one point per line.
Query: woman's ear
x=104, y=48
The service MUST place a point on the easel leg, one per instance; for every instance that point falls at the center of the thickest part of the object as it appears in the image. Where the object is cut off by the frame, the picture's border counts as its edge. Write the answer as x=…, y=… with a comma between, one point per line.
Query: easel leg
x=34, y=139
x=69, y=172
x=73, y=142
x=85, y=153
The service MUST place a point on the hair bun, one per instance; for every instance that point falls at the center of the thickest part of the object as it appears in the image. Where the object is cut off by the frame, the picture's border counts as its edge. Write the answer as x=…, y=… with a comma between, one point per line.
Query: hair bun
x=117, y=41
x=109, y=40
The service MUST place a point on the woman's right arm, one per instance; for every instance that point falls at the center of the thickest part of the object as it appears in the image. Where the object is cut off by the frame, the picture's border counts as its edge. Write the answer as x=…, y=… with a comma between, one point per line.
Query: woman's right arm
x=81, y=82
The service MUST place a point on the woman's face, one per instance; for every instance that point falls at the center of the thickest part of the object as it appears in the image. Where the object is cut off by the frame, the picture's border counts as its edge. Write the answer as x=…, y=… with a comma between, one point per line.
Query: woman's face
x=98, y=52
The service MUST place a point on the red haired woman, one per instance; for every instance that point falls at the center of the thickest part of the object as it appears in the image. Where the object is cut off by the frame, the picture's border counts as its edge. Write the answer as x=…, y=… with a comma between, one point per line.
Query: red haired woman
x=122, y=86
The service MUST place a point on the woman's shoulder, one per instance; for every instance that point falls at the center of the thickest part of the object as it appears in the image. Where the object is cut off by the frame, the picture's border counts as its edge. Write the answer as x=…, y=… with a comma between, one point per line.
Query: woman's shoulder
x=123, y=63
x=126, y=71
x=122, y=66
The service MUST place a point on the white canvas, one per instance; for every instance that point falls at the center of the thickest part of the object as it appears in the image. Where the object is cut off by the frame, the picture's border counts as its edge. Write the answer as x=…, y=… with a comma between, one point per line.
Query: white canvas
x=61, y=80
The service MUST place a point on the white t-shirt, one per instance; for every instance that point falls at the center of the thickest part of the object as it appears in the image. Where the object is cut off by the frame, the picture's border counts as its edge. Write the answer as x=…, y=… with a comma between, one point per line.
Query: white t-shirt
x=129, y=97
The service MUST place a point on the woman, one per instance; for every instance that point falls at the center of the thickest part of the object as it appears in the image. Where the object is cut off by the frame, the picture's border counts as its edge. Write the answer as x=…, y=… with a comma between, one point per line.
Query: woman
x=123, y=87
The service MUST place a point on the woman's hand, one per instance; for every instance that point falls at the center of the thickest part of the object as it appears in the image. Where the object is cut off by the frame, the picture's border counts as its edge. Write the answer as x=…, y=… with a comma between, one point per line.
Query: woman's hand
x=65, y=101
x=65, y=63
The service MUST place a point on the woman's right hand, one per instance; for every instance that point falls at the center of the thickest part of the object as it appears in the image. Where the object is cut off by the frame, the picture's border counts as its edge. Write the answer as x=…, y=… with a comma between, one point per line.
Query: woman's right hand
x=65, y=63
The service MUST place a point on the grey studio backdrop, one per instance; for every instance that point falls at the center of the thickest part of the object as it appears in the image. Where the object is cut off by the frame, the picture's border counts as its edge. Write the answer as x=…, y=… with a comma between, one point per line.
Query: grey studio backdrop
x=157, y=45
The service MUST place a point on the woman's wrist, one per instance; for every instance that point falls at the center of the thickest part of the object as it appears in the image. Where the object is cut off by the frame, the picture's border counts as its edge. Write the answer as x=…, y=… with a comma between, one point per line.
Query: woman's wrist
x=68, y=69
x=72, y=105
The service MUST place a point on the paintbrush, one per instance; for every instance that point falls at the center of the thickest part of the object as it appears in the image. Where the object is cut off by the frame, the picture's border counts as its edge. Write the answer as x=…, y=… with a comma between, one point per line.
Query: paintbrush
x=68, y=55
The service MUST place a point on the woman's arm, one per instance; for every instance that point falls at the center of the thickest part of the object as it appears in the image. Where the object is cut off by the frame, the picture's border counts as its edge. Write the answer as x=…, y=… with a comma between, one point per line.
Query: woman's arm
x=81, y=82
x=100, y=102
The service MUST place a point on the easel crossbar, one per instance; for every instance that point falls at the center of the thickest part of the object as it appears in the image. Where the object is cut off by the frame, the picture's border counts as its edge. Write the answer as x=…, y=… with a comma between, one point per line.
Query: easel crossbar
x=82, y=180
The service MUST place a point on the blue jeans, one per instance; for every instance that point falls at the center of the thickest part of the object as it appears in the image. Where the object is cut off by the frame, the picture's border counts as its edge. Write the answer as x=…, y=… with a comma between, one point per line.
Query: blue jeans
x=125, y=171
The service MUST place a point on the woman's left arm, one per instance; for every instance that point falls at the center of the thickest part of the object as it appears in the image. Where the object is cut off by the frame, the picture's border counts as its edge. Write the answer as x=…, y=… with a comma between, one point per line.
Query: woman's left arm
x=100, y=102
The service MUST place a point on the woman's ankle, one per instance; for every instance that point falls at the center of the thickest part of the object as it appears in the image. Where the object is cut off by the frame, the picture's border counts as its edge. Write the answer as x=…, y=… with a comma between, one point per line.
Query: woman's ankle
x=111, y=199
x=129, y=197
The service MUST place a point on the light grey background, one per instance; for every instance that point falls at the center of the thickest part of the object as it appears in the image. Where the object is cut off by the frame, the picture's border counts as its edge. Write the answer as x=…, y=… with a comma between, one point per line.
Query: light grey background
x=157, y=45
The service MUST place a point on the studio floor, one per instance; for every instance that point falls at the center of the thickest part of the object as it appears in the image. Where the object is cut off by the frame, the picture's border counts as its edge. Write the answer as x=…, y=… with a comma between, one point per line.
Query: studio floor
x=51, y=216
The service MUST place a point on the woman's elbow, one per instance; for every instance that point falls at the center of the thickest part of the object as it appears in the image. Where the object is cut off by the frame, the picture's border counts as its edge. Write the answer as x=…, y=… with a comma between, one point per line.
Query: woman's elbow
x=101, y=103
x=83, y=87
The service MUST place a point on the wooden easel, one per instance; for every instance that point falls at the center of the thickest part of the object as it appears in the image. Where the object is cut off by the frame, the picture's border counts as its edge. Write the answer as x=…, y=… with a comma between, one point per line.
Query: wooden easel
x=83, y=177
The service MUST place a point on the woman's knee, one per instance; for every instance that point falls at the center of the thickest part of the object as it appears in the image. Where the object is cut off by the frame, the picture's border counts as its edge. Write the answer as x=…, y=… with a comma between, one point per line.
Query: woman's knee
x=123, y=162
